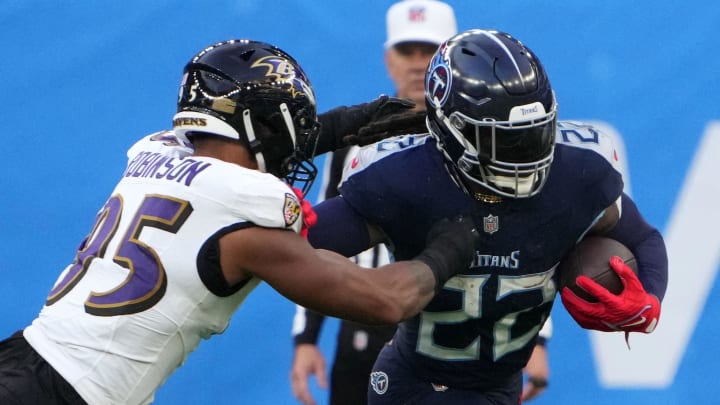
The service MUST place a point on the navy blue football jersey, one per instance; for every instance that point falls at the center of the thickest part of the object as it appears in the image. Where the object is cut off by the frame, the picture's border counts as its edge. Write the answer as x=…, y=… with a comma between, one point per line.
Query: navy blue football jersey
x=480, y=329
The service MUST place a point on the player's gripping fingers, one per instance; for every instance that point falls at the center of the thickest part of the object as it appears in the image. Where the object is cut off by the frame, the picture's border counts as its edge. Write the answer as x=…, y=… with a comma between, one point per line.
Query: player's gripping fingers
x=629, y=279
x=575, y=304
x=599, y=292
x=587, y=314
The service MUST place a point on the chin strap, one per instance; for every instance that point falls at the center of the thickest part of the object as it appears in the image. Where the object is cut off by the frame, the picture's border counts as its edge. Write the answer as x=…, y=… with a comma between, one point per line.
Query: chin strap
x=285, y=112
x=254, y=143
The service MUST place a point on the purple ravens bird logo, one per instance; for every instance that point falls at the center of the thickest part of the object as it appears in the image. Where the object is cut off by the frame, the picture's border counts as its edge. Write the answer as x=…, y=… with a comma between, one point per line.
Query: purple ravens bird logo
x=281, y=70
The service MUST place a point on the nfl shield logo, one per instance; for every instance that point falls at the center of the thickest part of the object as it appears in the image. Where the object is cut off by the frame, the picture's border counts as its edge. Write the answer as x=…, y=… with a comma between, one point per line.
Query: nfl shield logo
x=360, y=340
x=491, y=224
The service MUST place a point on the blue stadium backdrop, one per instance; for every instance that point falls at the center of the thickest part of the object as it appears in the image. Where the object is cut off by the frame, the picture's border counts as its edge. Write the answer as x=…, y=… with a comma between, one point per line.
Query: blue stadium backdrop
x=82, y=80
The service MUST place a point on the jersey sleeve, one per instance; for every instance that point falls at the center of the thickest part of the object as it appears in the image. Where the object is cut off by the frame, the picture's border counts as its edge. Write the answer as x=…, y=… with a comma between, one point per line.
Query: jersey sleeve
x=587, y=136
x=266, y=201
x=379, y=178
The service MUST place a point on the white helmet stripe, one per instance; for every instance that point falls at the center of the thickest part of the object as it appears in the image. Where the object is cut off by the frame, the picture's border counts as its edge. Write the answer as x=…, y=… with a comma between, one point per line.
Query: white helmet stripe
x=493, y=36
x=252, y=140
x=288, y=123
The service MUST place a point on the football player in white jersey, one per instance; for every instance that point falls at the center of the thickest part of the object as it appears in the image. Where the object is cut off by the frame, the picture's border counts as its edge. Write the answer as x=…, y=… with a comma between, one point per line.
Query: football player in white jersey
x=201, y=215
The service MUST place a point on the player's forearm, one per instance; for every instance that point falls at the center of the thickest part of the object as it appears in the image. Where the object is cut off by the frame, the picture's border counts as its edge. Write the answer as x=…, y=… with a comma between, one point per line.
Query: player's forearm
x=407, y=288
x=450, y=248
x=647, y=245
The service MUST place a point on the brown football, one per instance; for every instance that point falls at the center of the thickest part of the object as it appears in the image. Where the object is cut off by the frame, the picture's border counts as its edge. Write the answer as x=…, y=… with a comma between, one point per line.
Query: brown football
x=591, y=258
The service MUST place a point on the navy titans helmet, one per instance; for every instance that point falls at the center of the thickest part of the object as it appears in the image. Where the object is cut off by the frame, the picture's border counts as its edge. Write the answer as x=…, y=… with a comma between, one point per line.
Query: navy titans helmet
x=492, y=109
x=257, y=94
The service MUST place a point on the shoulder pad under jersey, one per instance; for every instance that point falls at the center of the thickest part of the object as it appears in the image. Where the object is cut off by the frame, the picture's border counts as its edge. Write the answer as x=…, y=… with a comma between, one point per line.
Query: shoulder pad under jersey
x=260, y=198
x=586, y=136
x=361, y=158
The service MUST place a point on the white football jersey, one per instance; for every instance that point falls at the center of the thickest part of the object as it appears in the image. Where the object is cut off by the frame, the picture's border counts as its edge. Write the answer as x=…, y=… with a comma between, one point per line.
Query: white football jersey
x=131, y=307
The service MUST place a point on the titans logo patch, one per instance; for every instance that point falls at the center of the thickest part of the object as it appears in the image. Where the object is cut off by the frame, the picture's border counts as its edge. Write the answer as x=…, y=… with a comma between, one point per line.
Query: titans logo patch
x=379, y=382
x=291, y=211
x=438, y=81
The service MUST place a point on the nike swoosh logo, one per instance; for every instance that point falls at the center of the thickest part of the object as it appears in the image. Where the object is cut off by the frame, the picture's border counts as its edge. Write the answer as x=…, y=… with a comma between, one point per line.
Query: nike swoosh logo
x=638, y=322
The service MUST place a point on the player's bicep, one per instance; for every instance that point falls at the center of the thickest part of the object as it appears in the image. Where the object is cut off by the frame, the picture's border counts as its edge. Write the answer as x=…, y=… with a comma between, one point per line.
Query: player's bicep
x=277, y=256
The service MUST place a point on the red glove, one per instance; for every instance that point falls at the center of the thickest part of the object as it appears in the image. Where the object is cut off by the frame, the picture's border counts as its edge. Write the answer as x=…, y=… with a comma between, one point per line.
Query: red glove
x=308, y=214
x=633, y=310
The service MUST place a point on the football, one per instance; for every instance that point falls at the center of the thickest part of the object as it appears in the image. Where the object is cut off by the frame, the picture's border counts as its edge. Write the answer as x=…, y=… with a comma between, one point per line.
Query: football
x=591, y=258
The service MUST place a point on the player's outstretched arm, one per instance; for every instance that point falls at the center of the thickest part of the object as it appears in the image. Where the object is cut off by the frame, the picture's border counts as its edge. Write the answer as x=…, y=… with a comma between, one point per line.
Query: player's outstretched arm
x=332, y=284
x=392, y=125
x=386, y=115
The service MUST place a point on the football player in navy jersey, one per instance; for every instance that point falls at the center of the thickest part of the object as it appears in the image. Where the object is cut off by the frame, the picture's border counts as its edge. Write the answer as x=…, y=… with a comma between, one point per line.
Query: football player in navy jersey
x=415, y=28
x=201, y=215
x=534, y=186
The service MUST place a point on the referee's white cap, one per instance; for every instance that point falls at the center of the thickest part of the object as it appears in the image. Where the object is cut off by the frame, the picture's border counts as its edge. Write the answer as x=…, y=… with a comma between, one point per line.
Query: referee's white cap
x=428, y=21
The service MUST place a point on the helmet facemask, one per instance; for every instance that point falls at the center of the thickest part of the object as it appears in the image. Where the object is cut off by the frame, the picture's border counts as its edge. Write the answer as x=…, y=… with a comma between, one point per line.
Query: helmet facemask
x=492, y=109
x=297, y=145
x=510, y=158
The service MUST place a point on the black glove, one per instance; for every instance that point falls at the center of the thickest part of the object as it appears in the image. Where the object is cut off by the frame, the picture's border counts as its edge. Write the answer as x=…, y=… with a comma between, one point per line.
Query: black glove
x=384, y=106
x=402, y=123
x=450, y=248
x=342, y=121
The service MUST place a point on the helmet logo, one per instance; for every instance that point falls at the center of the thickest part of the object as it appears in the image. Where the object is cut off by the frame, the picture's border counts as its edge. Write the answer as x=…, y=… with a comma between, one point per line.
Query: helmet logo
x=278, y=68
x=438, y=82
x=379, y=382
x=282, y=70
x=527, y=112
